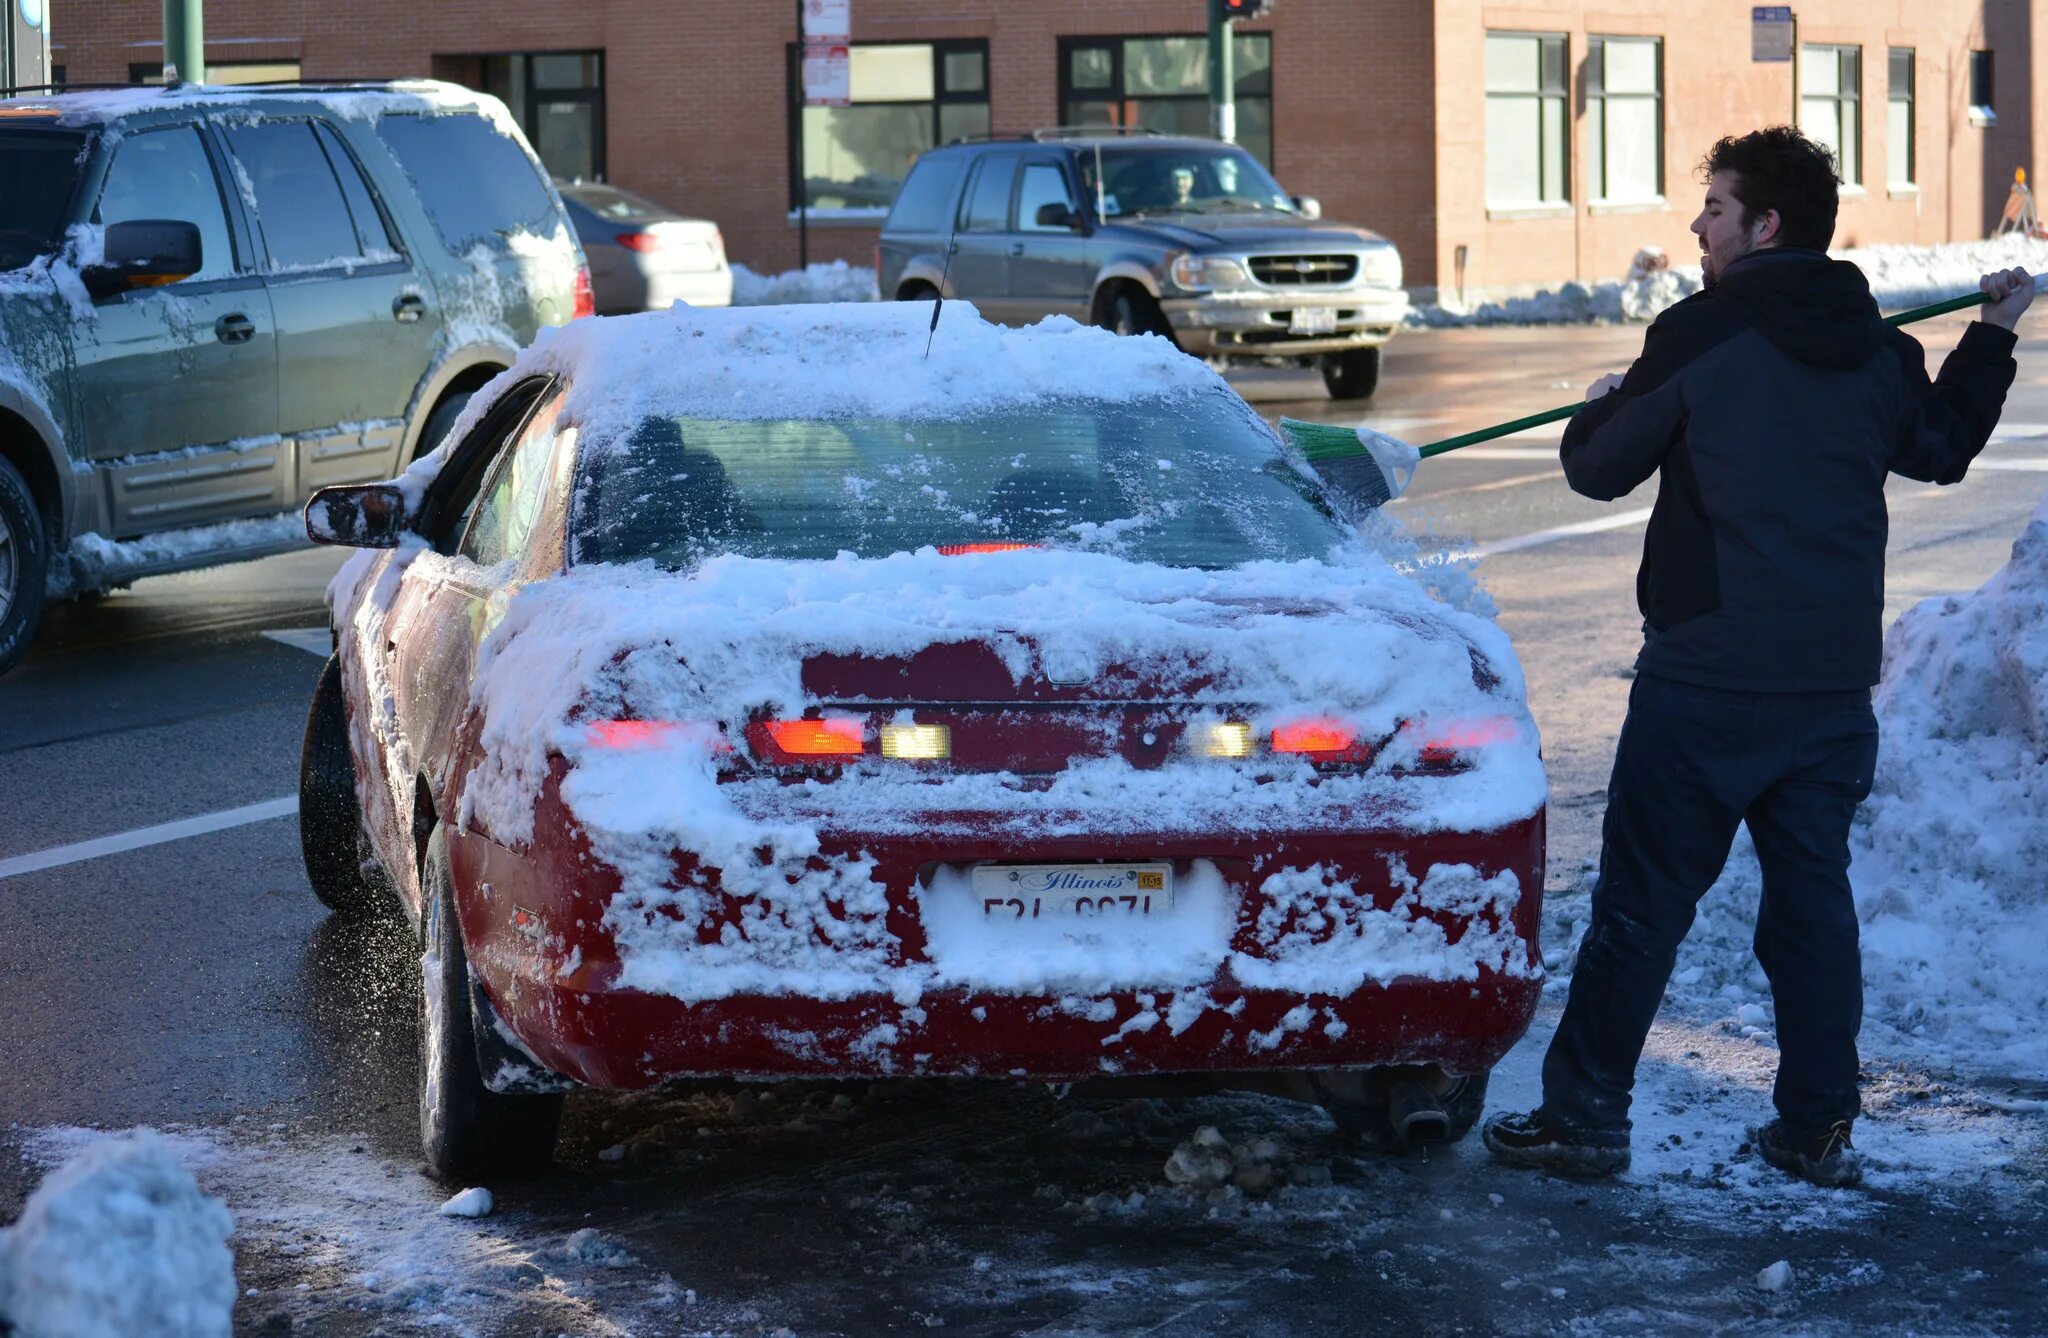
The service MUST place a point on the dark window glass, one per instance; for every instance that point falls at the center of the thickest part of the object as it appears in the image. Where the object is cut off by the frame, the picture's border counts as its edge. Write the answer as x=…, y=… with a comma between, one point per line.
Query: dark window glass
x=965, y=71
x=166, y=174
x=1162, y=83
x=988, y=201
x=41, y=171
x=557, y=97
x=477, y=184
x=1980, y=81
x=362, y=204
x=1900, y=162
x=927, y=197
x=298, y=202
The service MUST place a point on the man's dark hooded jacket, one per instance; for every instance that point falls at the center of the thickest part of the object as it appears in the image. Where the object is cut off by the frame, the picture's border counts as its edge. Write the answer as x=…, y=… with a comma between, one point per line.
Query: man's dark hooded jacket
x=1773, y=404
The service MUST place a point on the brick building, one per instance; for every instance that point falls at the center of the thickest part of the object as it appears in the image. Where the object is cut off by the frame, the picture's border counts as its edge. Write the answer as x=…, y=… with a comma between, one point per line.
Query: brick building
x=1498, y=144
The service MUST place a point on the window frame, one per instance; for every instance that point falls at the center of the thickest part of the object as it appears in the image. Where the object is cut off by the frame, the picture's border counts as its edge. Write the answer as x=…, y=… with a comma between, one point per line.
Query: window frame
x=1983, y=88
x=1847, y=99
x=528, y=118
x=942, y=96
x=473, y=462
x=552, y=393
x=245, y=271
x=1596, y=90
x=1562, y=94
x=1911, y=97
x=1058, y=164
x=1113, y=43
x=342, y=266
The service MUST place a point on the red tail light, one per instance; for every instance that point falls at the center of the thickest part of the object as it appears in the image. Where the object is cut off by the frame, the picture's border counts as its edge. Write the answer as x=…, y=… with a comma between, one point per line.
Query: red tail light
x=964, y=550
x=793, y=742
x=635, y=735
x=642, y=242
x=717, y=247
x=586, y=296
x=1321, y=740
x=1448, y=745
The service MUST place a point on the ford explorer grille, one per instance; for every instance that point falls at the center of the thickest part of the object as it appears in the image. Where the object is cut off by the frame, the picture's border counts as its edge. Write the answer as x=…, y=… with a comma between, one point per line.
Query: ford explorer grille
x=1289, y=270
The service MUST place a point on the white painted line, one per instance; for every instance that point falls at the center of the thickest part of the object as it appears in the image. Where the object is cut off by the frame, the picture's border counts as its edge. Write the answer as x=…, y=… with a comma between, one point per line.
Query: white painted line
x=1619, y=521
x=78, y=853
x=313, y=640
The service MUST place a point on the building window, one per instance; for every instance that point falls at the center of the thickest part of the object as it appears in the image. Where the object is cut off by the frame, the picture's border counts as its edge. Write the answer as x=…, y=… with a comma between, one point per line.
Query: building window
x=1625, y=117
x=1525, y=119
x=906, y=98
x=1899, y=165
x=1162, y=83
x=222, y=72
x=1981, y=107
x=557, y=97
x=1830, y=104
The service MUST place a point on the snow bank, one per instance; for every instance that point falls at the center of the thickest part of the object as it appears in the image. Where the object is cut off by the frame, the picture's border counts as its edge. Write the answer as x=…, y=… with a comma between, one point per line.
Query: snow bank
x=1948, y=852
x=116, y=1243
x=834, y=282
x=1900, y=277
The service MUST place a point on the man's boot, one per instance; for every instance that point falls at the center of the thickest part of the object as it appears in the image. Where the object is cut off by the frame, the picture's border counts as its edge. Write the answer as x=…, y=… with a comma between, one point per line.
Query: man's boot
x=1825, y=1158
x=1533, y=1140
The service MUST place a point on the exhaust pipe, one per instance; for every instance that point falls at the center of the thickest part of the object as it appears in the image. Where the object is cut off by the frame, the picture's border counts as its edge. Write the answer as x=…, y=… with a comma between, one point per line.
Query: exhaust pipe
x=1418, y=1117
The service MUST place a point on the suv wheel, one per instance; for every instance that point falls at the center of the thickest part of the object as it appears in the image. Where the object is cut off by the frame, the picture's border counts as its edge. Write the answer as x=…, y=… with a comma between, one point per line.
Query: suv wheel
x=330, y=818
x=1354, y=374
x=442, y=421
x=1376, y=1106
x=916, y=292
x=467, y=1131
x=1131, y=311
x=24, y=560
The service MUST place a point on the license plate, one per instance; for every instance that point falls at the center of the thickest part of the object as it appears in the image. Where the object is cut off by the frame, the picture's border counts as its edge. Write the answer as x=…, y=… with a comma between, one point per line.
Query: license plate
x=1312, y=320
x=1056, y=891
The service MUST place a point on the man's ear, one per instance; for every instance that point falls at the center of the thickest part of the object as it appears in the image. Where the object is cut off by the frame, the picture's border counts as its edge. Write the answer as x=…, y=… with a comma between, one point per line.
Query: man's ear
x=1768, y=225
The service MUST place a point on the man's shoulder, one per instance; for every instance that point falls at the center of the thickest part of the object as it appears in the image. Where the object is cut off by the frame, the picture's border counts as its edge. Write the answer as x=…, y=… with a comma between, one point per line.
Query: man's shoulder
x=1699, y=312
x=1688, y=329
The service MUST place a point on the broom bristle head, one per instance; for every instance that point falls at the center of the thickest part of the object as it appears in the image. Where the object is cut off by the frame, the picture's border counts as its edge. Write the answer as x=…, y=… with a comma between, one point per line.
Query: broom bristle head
x=1321, y=441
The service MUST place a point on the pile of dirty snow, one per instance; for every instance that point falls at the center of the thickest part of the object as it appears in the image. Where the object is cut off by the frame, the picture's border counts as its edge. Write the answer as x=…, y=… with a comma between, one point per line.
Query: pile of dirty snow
x=1948, y=852
x=835, y=281
x=119, y=1242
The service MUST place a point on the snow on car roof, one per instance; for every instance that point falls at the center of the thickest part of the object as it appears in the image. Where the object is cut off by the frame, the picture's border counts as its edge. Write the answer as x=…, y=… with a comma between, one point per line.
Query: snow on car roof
x=97, y=106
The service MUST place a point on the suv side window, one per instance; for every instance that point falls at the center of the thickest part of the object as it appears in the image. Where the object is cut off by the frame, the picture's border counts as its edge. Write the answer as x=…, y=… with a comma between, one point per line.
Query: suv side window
x=477, y=184
x=987, y=208
x=922, y=204
x=1044, y=184
x=167, y=174
x=511, y=501
x=292, y=190
x=371, y=230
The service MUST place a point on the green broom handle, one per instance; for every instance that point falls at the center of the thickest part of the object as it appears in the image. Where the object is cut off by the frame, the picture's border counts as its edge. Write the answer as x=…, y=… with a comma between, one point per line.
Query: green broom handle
x=1558, y=415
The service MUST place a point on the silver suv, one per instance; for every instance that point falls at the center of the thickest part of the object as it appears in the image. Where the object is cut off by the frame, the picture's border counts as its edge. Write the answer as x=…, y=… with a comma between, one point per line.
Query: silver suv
x=1182, y=237
x=214, y=301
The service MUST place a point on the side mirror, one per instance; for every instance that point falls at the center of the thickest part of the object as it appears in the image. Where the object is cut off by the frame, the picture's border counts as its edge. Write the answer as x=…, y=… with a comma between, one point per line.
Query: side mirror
x=357, y=515
x=144, y=253
x=1308, y=206
x=1056, y=215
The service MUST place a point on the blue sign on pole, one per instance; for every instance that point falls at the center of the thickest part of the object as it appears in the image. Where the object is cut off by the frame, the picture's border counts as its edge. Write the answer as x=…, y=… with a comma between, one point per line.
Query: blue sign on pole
x=1770, y=32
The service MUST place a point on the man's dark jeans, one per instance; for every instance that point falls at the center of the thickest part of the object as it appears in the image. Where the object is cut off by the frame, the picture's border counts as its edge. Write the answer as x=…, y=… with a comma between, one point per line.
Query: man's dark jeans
x=1692, y=764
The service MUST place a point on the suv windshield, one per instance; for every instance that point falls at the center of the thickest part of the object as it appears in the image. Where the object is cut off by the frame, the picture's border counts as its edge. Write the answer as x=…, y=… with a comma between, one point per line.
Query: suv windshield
x=1189, y=179
x=1166, y=481
x=41, y=170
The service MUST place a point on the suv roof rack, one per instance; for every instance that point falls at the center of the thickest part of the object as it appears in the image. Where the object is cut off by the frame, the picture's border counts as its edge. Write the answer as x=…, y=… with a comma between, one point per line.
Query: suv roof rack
x=19, y=89
x=1091, y=131
x=266, y=86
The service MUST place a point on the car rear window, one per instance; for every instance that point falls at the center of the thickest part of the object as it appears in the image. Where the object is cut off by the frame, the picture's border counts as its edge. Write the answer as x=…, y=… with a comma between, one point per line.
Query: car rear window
x=617, y=206
x=927, y=196
x=1183, y=483
x=40, y=168
x=477, y=184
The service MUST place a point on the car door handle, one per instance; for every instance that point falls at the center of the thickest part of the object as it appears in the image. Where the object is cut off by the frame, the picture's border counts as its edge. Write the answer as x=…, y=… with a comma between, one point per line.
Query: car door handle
x=408, y=307
x=234, y=329
x=952, y=248
x=1016, y=248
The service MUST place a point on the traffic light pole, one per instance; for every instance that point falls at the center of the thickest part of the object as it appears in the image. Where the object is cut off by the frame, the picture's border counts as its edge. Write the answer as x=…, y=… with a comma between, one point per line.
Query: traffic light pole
x=185, y=41
x=1222, y=75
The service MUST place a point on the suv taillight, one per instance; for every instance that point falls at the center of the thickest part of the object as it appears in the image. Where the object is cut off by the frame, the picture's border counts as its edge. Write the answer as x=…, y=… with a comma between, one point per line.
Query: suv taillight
x=586, y=296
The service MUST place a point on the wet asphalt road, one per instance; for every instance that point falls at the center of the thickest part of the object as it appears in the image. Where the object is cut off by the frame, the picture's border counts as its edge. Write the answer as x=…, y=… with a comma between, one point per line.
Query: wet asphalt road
x=196, y=983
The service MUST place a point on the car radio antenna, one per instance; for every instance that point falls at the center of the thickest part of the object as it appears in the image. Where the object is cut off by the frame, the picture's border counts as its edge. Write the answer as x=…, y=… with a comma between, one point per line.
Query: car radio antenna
x=939, y=298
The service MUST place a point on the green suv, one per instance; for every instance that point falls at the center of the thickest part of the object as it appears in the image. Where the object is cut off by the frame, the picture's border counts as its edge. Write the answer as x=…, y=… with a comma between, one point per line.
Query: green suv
x=214, y=301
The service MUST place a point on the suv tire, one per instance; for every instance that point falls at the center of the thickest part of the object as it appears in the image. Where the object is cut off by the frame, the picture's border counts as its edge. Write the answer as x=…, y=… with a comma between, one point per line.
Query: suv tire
x=1359, y=1102
x=1130, y=310
x=24, y=564
x=330, y=815
x=918, y=291
x=441, y=421
x=1354, y=374
x=467, y=1132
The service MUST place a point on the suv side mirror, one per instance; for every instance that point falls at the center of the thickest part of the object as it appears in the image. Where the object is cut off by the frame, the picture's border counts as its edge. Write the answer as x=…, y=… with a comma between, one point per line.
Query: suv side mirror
x=144, y=253
x=357, y=515
x=1057, y=215
x=1309, y=206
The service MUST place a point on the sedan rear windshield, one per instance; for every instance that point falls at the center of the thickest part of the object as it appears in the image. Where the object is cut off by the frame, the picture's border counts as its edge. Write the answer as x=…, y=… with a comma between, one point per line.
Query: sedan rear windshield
x=616, y=206
x=41, y=170
x=1182, y=483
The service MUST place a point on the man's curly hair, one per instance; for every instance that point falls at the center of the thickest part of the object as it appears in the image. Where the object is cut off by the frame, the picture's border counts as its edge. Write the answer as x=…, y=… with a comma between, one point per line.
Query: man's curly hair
x=1780, y=168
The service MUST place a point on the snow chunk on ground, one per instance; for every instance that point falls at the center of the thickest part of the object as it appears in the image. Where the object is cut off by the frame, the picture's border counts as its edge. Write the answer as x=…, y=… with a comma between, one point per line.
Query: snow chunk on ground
x=472, y=1202
x=1776, y=1278
x=117, y=1242
x=836, y=281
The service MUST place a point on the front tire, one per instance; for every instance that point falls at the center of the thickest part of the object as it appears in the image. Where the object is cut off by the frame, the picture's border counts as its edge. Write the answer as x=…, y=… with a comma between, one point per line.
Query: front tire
x=1359, y=1102
x=1131, y=311
x=330, y=815
x=1353, y=374
x=24, y=565
x=467, y=1131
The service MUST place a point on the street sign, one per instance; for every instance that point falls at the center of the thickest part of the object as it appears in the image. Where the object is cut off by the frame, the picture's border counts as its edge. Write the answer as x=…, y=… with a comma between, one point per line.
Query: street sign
x=828, y=21
x=1770, y=32
x=828, y=76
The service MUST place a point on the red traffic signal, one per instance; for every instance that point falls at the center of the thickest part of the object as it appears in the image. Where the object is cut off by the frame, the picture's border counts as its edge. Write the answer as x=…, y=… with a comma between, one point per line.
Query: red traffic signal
x=1245, y=9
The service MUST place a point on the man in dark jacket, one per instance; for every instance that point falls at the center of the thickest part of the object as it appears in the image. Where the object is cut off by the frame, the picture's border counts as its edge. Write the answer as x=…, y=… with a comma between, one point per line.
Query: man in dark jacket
x=1771, y=406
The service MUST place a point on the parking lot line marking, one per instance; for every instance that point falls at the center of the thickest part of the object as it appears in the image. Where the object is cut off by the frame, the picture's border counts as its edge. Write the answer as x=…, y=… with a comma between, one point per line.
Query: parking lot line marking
x=313, y=640
x=1621, y=520
x=81, y=851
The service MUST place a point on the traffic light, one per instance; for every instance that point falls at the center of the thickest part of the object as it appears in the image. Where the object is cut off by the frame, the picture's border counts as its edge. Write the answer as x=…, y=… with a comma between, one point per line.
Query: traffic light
x=1245, y=9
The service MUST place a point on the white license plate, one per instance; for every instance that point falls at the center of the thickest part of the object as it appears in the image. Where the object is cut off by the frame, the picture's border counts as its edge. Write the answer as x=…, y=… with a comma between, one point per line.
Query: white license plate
x=1056, y=891
x=1312, y=320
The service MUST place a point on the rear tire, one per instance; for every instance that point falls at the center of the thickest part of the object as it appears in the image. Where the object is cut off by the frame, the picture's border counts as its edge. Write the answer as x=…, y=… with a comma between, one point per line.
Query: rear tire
x=330, y=815
x=442, y=420
x=1358, y=1103
x=1130, y=310
x=467, y=1131
x=24, y=565
x=916, y=292
x=1353, y=374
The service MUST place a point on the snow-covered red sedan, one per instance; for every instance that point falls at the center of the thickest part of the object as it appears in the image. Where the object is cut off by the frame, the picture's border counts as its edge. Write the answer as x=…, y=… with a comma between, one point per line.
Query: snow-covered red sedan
x=756, y=694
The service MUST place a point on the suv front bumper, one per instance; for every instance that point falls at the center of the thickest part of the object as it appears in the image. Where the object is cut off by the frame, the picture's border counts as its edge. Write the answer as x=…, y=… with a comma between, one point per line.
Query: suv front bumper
x=1257, y=324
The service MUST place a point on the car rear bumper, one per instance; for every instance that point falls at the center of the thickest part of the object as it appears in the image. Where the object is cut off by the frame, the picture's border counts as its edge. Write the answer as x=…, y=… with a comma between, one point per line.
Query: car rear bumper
x=1258, y=324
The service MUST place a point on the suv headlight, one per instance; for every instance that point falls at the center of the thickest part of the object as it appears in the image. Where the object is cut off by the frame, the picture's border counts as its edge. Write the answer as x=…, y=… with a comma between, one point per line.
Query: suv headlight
x=1199, y=274
x=1382, y=268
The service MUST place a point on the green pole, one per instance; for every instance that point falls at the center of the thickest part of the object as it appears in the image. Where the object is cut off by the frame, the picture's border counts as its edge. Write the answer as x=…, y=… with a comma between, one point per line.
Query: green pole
x=1222, y=76
x=185, y=40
